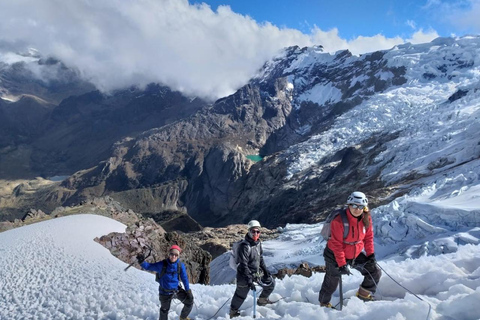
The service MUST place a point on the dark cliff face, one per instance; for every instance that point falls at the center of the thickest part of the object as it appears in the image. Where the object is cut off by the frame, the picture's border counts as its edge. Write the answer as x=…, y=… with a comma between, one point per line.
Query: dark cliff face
x=80, y=131
x=197, y=165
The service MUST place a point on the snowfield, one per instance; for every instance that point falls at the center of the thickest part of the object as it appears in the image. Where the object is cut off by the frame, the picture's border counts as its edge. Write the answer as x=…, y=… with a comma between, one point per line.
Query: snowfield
x=54, y=270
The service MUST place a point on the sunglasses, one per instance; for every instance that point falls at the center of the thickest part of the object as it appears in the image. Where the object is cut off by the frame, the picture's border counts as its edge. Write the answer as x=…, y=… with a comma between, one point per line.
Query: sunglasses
x=356, y=206
x=173, y=254
x=255, y=231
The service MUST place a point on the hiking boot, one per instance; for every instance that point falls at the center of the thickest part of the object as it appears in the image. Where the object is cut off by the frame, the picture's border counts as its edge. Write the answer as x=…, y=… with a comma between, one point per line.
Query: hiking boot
x=263, y=301
x=234, y=313
x=364, y=295
x=327, y=305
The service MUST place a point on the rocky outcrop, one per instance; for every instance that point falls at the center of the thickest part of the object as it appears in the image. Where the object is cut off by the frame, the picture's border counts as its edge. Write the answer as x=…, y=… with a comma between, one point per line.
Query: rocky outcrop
x=147, y=237
x=303, y=269
x=219, y=240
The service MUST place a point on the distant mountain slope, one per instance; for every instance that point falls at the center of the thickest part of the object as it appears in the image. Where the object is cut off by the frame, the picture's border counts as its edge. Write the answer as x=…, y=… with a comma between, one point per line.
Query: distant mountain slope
x=324, y=124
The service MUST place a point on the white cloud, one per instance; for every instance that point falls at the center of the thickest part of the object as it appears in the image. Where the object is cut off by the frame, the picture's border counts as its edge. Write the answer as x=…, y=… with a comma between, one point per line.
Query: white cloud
x=423, y=37
x=467, y=18
x=188, y=47
x=462, y=14
x=411, y=24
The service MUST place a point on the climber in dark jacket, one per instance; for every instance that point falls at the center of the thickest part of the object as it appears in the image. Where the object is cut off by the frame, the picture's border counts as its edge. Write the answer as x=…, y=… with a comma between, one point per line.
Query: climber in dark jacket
x=169, y=272
x=251, y=269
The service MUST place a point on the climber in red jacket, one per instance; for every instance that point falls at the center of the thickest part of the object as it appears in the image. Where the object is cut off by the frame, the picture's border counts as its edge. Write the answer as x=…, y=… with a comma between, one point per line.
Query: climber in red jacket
x=356, y=250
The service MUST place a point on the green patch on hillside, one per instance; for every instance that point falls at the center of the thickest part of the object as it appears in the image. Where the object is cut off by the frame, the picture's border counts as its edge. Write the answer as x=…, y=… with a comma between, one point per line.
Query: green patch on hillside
x=254, y=157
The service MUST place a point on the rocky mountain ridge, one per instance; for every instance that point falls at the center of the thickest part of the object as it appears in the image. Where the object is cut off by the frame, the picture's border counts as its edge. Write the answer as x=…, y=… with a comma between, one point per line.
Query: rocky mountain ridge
x=291, y=115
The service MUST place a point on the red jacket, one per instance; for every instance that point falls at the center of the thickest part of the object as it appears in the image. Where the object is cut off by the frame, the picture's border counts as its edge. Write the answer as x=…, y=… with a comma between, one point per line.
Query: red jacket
x=357, y=237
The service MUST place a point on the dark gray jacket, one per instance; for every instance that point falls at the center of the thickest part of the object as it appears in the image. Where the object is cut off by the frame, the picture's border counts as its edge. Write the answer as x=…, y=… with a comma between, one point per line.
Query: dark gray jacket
x=250, y=259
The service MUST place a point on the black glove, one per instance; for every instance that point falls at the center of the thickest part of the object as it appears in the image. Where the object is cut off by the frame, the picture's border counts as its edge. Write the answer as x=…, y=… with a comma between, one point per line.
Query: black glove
x=344, y=270
x=266, y=275
x=371, y=258
x=140, y=258
x=189, y=294
x=252, y=286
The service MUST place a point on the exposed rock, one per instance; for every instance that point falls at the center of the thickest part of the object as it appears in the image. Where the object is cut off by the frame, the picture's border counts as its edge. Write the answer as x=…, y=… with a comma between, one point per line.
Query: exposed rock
x=146, y=234
x=303, y=270
x=7, y=225
x=34, y=215
x=177, y=221
x=219, y=240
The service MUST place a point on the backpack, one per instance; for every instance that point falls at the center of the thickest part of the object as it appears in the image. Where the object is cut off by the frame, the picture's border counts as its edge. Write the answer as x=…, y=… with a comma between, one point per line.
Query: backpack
x=233, y=262
x=326, y=232
x=158, y=276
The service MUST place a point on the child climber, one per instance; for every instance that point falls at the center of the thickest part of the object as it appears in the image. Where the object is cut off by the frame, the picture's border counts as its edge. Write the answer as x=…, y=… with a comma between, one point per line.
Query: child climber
x=341, y=252
x=169, y=272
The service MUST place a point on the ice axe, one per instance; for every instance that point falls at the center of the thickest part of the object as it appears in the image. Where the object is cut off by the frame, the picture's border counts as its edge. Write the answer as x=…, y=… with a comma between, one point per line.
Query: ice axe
x=131, y=264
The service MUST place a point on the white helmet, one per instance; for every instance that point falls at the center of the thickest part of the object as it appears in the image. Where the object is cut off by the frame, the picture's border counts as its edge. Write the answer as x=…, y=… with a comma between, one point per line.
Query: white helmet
x=253, y=224
x=357, y=197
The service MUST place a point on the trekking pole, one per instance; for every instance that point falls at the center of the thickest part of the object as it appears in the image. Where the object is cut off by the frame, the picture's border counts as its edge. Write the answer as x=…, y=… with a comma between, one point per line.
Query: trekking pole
x=254, y=303
x=341, y=293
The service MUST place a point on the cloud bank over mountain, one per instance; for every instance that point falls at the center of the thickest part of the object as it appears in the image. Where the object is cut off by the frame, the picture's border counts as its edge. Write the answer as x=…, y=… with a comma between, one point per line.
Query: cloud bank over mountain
x=190, y=48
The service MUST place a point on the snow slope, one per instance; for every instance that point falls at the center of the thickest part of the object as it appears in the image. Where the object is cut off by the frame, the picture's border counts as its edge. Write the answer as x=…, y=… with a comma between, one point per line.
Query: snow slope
x=54, y=270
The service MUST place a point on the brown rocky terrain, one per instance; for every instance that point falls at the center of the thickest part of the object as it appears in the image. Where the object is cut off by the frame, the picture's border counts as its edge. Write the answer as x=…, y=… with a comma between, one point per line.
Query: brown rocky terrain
x=219, y=240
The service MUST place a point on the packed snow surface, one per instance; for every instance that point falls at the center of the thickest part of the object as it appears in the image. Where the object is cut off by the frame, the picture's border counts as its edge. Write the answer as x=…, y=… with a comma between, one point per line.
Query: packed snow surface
x=55, y=270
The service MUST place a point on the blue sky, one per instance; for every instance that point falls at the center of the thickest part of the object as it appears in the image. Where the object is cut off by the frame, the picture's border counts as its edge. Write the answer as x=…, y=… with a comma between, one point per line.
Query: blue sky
x=355, y=18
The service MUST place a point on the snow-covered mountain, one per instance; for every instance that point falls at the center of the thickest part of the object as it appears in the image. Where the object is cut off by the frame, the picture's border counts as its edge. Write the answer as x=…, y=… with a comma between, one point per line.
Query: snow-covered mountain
x=389, y=123
x=434, y=111
x=55, y=270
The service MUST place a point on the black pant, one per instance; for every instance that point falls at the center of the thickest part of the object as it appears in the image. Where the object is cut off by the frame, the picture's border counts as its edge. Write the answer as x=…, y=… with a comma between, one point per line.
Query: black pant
x=368, y=269
x=242, y=290
x=166, y=300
